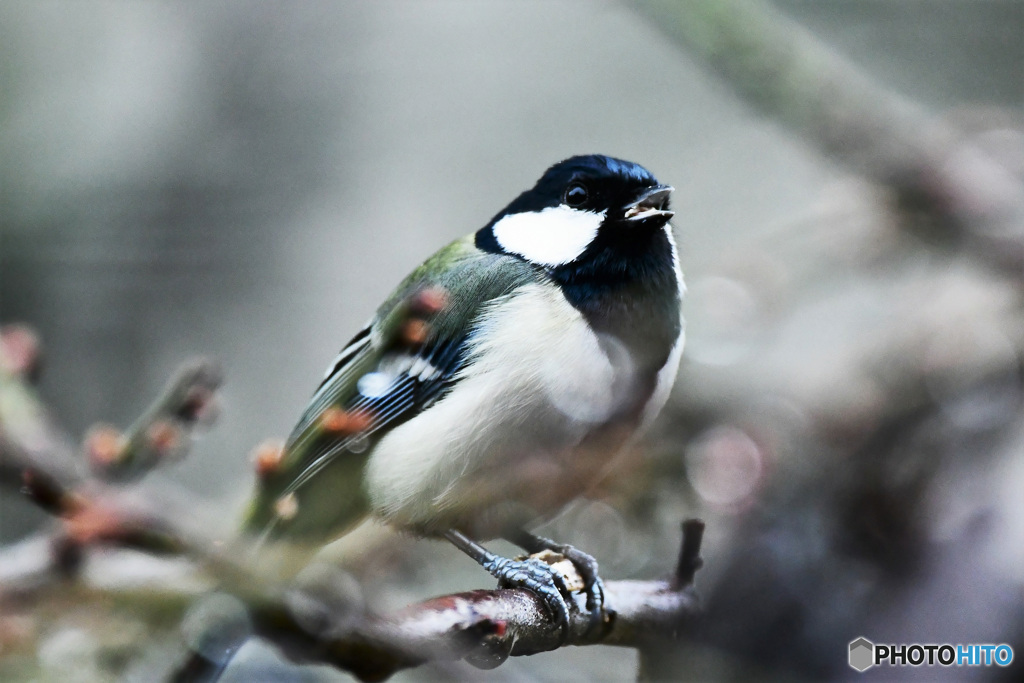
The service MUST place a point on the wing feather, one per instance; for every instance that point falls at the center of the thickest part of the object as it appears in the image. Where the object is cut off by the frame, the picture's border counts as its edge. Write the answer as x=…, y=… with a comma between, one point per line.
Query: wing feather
x=322, y=467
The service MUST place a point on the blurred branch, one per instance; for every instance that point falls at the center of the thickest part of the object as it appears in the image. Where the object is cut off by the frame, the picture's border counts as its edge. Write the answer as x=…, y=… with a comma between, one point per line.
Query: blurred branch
x=163, y=430
x=871, y=446
x=690, y=561
x=791, y=76
x=946, y=334
x=484, y=627
x=28, y=436
x=95, y=518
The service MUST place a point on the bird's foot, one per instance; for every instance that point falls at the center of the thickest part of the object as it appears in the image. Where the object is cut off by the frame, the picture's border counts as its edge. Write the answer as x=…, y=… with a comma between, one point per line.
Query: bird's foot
x=539, y=577
x=586, y=565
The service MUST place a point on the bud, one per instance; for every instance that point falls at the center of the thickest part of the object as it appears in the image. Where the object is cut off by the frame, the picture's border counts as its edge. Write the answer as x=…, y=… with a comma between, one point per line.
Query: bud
x=20, y=351
x=268, y=458
x=163, y=437
x=104, y=446
x=93, y=522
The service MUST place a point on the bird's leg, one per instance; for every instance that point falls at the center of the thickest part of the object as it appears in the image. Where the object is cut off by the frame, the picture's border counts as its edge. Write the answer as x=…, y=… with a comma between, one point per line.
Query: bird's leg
x=585, y=564
x=531, y=573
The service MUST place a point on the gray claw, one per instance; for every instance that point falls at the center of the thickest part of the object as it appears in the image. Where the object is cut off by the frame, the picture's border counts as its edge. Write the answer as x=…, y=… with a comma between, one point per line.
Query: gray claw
x=540, y=578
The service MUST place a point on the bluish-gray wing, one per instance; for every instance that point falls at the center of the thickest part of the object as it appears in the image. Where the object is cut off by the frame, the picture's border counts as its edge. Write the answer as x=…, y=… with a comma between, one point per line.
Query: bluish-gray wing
x=399, y=386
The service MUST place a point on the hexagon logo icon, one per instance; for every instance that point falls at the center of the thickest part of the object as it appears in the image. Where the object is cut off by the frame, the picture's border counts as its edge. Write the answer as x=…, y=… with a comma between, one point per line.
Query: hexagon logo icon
x=862, y=654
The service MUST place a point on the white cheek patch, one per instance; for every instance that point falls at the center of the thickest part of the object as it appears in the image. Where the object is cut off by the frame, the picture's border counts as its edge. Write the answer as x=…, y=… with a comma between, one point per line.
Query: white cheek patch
x=550, y=237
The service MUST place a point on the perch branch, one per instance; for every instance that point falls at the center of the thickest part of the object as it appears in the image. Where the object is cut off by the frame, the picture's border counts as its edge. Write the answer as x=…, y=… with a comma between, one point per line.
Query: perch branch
x=483, y=627
x=97, y=518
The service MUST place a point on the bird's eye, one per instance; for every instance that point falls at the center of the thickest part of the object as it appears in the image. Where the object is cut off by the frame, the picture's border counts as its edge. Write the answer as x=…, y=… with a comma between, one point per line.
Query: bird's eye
x=576, y=194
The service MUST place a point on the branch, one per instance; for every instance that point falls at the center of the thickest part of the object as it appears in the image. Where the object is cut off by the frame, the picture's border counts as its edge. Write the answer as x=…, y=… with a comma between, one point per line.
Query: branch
x=164, y=429
x=483, y=627
x=689, y=553
x=788, y=74
x=28, y=436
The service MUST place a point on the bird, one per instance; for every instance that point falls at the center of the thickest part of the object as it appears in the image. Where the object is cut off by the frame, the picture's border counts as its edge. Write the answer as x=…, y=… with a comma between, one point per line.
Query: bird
x=498, y=382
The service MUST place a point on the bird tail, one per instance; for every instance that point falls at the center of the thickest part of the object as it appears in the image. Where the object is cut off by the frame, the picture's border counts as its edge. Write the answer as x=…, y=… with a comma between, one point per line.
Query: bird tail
x=306, y=510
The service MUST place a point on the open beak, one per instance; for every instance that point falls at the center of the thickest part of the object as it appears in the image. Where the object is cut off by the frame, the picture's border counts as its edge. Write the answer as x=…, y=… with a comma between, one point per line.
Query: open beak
x=653, y=202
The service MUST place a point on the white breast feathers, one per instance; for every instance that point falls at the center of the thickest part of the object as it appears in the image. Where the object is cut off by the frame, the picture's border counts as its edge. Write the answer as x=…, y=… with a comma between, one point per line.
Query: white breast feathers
x=537, y=381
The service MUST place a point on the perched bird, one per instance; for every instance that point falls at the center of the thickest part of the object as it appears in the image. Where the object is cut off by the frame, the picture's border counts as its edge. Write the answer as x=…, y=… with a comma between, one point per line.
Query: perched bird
x=500, y=379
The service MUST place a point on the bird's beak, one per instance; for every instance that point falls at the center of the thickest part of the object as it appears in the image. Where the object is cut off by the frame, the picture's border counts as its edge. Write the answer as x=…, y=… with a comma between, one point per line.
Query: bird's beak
x=650, y=204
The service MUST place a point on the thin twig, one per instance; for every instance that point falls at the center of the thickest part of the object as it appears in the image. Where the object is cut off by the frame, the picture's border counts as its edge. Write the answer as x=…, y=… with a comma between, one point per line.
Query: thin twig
x=689, y=553
x=164, y=429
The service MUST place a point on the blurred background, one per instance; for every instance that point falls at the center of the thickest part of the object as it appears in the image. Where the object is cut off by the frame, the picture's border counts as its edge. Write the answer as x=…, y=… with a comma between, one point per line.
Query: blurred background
x=248, y=181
